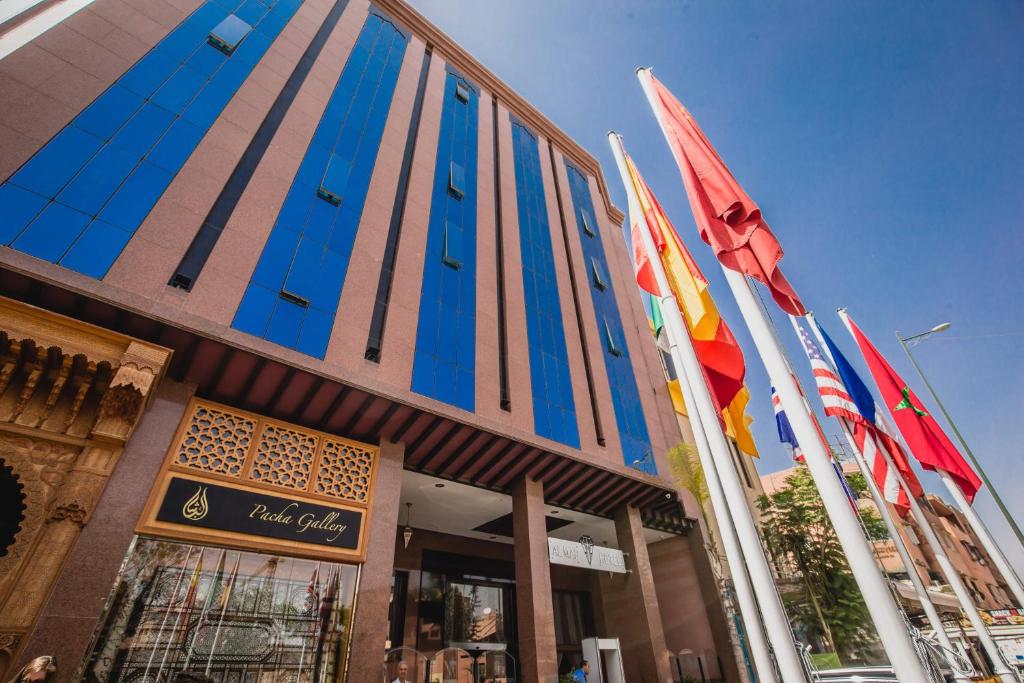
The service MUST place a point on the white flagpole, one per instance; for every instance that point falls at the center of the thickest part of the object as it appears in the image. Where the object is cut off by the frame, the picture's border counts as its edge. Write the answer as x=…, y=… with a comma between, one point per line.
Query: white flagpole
x=889, y=623
x=963, y=596
x=883, y=510
x=991, y=547
x=716, y=461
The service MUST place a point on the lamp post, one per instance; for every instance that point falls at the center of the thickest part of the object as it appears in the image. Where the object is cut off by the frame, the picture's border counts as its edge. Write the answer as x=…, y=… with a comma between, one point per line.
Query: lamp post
x=914, y=339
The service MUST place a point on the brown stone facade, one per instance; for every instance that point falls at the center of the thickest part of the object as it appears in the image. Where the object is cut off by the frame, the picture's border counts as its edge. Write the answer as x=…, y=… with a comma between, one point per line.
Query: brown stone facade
x=100, y=377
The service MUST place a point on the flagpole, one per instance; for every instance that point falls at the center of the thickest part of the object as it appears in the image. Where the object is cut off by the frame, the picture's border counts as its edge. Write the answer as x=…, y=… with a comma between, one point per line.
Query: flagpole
x=963, y=442
x=994, y=551
x=950, y=572
x=986, y=539
x=749, y=612
x=887, y=619
x=883, y=510
x=716, y=461
x=977, y=525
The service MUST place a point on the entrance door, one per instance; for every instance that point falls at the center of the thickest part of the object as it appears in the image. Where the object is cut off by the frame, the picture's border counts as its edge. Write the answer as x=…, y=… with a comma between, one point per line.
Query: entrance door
x=475, y=613
x=574, y=621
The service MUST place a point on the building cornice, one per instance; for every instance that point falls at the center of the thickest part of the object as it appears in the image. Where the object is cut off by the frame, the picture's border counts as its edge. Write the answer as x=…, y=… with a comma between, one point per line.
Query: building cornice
x=516, y=103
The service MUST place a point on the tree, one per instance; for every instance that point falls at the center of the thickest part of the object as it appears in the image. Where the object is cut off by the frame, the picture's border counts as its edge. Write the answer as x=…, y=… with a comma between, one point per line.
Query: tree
x=798, y=533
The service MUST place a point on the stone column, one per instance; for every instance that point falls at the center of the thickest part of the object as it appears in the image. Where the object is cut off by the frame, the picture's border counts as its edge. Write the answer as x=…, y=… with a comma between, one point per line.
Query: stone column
x=631, y=605
x=538, y=659
x=370, y=626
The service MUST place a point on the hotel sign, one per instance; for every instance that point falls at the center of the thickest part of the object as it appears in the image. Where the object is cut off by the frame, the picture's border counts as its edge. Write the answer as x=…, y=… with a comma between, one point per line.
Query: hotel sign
x=585, y=554
x=210, y=506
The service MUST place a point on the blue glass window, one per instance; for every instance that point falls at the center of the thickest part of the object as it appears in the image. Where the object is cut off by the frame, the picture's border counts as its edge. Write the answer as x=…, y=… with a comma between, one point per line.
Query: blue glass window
x=106, y=169
x=554, y=410
x=586, y=225
x=332, y=188
x=226, y=35
x=452, y=255
x=457, y=180
x=597, y=270
x=629, y=416
x=445, y=359
x=293, y=295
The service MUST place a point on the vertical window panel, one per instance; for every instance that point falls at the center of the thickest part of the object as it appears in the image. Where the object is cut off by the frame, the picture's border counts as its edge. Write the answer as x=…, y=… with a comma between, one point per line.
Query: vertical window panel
x=554, y=408
x=444, y=365
x=308, y=251
x=629, y=416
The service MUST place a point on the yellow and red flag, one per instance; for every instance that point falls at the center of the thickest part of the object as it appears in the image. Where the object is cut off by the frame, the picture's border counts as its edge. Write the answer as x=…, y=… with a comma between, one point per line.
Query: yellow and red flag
x=717, y=349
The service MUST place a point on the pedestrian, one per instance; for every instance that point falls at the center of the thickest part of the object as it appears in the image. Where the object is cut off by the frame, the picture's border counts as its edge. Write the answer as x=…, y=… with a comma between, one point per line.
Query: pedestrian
x=580, y=674
x=39, y=669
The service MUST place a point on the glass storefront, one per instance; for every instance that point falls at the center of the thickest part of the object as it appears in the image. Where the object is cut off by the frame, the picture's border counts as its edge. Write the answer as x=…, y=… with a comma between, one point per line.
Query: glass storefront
x=231, y=616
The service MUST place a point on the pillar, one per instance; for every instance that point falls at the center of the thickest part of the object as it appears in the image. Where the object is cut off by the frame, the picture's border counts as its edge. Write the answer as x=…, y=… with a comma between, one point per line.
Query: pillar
x=631, y=609
x=370, y=626
x=538, y=658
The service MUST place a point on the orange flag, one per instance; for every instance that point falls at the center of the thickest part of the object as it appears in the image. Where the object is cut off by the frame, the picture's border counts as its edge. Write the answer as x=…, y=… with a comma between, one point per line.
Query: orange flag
x=728, y=220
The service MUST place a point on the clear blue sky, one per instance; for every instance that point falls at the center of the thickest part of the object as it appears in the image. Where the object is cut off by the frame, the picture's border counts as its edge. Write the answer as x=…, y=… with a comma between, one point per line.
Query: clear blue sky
x=883, y=142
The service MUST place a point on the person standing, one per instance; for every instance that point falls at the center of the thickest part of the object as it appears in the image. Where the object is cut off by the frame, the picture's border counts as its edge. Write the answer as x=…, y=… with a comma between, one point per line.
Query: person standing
x=403, y=673
x=580, y=674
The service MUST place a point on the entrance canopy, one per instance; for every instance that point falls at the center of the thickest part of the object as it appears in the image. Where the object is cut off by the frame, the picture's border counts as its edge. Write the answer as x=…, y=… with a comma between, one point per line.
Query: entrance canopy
x=462, y=510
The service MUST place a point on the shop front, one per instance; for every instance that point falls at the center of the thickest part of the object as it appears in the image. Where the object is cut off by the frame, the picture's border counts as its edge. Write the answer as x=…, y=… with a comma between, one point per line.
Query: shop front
x=247, y=557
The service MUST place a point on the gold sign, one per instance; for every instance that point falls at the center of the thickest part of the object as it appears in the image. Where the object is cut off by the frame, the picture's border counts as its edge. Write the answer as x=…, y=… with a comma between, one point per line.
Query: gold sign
x=196, y=507
x=236, y=478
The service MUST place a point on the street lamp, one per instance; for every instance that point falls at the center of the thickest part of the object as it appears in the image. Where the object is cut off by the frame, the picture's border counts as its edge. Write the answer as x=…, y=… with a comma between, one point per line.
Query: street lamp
x=915, y=339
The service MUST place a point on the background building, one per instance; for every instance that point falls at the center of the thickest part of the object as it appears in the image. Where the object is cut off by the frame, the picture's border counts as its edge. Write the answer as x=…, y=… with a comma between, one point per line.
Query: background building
x=962, y=546
x=314, y=333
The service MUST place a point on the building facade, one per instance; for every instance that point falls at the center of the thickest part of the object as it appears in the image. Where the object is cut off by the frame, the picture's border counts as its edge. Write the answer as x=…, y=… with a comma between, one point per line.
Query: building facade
x=322, y=360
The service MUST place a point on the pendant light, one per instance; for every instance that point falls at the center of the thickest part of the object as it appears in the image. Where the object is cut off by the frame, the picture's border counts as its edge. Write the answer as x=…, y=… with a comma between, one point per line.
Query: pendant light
x=407, y=531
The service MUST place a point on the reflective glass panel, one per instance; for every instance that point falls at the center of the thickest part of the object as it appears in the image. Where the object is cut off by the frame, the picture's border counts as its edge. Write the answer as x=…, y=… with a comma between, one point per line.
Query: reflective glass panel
x=225, y=614
x=474, y=613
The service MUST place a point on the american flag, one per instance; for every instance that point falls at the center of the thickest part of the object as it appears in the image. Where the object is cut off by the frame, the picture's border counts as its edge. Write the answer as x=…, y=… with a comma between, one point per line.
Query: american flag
x=866, y=435
x=834, y=395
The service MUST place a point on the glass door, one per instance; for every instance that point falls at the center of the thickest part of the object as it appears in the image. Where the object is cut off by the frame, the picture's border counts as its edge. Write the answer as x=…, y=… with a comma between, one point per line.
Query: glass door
x=475, y=613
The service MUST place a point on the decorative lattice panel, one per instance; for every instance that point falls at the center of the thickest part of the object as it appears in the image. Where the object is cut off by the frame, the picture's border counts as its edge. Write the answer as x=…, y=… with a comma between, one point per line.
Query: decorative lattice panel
x=284, y=457
x=216, y=441
x=345, y=471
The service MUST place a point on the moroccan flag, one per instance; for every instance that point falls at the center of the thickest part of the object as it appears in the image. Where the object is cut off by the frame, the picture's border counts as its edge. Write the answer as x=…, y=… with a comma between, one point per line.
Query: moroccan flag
x=716, y=348
x=925, y=438
x=728, y=220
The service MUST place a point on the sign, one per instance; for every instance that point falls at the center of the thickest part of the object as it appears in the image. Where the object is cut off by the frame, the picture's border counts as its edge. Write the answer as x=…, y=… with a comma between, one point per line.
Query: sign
x=203, y=504
x=585, y=554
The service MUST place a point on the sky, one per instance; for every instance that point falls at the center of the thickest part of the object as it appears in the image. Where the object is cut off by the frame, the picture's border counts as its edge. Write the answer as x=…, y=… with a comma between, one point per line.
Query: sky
x=883, y=142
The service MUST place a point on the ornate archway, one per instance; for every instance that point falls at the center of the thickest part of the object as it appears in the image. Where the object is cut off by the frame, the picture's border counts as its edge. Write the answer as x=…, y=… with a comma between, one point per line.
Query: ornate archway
x=70, y=397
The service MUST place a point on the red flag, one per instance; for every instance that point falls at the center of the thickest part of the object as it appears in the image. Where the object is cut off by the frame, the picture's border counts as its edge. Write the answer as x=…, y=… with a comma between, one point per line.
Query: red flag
x=728, y=220
x=642, y=265
x=927, y=442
